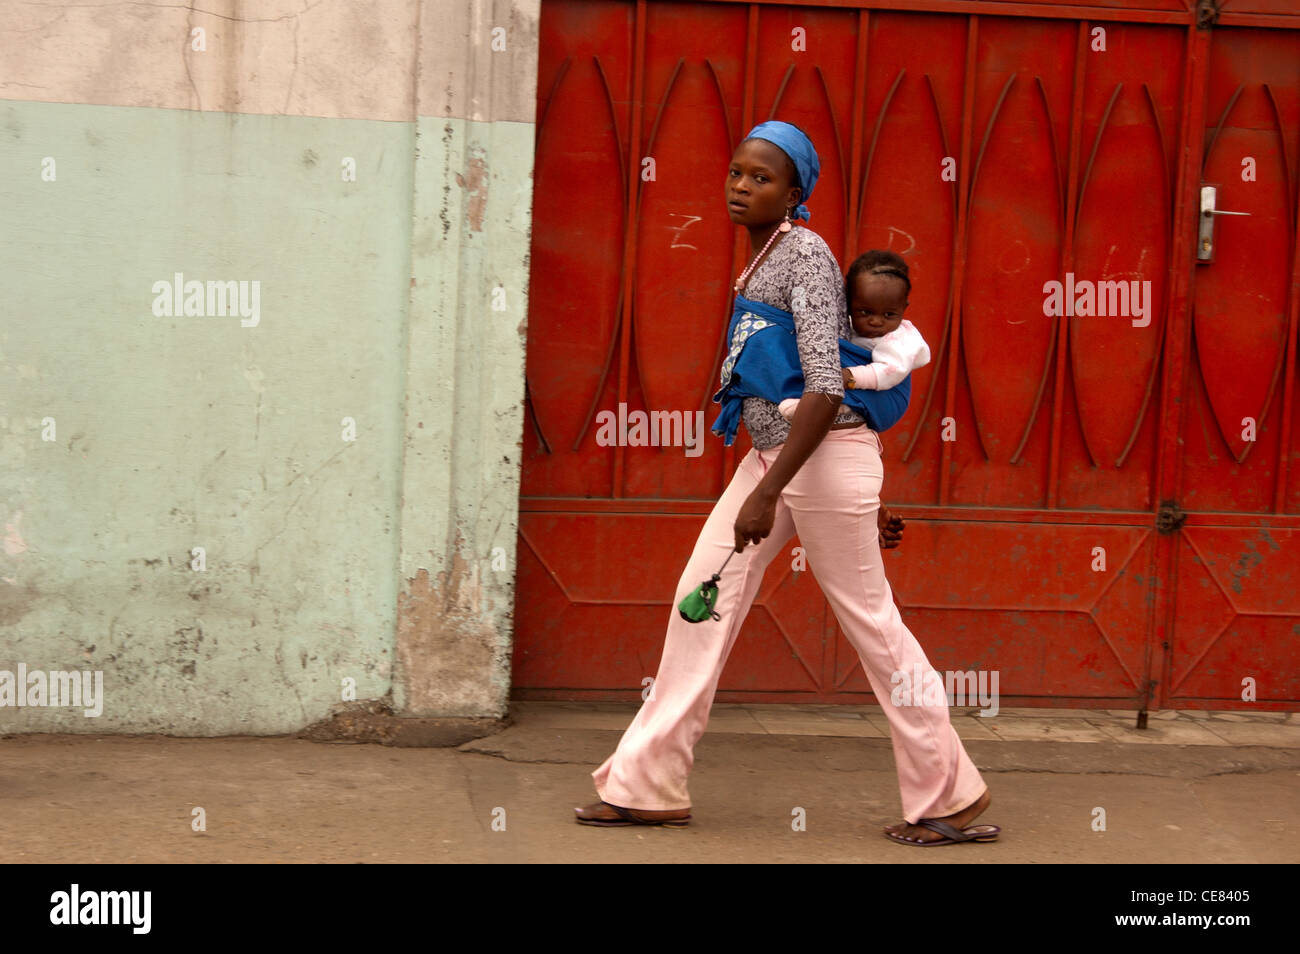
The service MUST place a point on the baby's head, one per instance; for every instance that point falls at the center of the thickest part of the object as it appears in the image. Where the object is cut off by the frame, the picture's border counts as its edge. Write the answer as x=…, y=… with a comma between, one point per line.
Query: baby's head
x=876, y=290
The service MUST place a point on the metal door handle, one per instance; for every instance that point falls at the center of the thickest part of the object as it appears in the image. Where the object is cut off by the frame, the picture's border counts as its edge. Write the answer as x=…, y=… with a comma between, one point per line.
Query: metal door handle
x=1205, y=234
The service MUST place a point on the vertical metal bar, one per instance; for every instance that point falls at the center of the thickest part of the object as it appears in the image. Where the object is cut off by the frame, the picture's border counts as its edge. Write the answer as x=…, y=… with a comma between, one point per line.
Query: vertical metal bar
x=1067, y=265
x=1186, y=216
x=631, y=204
x=858, y=104
x=1173, y=391
x=852, y=227
x=1288, y=369
x=741, y=250
x=959, y=255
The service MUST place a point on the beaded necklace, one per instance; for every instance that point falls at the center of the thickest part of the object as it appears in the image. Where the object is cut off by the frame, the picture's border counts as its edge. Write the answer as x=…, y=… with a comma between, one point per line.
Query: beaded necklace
x=744, y=276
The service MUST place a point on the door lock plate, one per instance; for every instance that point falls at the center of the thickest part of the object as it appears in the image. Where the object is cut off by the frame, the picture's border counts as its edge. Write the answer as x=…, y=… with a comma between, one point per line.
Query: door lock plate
x=1205, y=230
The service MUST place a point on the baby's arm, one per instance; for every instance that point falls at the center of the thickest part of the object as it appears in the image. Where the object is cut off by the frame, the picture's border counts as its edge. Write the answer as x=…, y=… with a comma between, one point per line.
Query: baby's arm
x=895, y=356
x=787, y=406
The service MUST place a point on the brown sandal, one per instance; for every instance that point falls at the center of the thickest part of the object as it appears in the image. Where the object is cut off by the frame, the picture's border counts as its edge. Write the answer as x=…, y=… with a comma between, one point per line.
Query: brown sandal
x=606, y=815
x=951, y=835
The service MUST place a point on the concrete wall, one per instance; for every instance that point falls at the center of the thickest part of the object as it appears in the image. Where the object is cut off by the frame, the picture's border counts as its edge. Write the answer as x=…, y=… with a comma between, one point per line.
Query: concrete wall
x=348, y=457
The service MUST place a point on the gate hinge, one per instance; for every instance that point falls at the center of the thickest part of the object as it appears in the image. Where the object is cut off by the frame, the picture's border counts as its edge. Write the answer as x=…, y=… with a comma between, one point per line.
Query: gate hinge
x=1207, y=12
x=1169, y=518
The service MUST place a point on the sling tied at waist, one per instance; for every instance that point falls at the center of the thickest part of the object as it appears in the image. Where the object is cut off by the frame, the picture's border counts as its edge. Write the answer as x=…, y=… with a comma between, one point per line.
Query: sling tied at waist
x=763, y=361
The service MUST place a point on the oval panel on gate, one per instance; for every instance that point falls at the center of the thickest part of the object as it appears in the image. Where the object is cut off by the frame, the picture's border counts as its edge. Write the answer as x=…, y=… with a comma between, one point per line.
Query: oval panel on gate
x=684, y=242
x=578, y=209
x=1014, y=247
x=1120, y=237
x=908, y=208
x=1241, y=297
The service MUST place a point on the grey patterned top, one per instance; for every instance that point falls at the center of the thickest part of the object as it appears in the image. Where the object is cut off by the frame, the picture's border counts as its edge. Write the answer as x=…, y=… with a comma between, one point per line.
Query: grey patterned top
x=802, y=260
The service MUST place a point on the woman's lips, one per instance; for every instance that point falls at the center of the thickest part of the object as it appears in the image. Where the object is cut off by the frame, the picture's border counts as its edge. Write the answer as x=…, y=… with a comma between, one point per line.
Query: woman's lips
x=733, y=204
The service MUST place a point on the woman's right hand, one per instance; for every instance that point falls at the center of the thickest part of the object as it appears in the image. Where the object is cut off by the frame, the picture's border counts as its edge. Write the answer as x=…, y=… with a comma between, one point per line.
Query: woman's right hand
x=756, y=518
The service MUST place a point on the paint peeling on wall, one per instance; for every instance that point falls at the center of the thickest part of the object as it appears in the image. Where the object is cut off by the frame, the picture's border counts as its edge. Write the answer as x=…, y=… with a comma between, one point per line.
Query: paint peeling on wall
x=475, y=184
x=445, y=647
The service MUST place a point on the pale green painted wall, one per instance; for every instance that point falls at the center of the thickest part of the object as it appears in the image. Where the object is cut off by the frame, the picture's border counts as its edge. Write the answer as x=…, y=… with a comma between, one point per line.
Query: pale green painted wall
x=326, y=560
x=464, y=425
x=182, y=432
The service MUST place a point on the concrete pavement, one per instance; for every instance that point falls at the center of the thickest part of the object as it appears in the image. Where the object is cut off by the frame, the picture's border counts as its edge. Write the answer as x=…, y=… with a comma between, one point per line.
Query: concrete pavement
x=1193, y=788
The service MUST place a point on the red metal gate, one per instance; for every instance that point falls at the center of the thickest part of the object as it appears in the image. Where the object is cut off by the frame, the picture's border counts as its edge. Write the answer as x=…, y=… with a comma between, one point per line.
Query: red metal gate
x=1101, y=526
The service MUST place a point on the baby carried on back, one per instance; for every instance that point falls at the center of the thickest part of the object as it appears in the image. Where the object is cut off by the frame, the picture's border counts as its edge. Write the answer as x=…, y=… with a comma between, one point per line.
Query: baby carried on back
x=877, y=361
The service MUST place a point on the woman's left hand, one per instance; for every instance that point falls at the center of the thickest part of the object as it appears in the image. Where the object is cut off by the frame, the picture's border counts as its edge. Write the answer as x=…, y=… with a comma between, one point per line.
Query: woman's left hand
x=890, y=527
x=756, y=517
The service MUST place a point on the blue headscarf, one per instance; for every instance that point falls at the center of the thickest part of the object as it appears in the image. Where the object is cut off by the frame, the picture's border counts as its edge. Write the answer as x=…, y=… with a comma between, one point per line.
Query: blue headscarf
x=801, y=152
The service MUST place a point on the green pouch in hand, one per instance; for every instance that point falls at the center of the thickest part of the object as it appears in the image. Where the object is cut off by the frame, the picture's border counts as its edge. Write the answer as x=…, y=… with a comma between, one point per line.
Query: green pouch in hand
x=698, y=604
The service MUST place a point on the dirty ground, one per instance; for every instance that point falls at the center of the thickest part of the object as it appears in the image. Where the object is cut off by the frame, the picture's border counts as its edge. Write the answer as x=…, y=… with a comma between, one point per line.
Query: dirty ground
x=509, y=797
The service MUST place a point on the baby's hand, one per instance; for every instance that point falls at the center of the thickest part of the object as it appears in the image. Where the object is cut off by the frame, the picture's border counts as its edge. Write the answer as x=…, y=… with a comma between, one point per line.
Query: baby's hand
x=861, y=374
x=787, y=408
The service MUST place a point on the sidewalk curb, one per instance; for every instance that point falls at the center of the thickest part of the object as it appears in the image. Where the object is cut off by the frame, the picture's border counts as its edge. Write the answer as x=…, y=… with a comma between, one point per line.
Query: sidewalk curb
x=375, y=722
x=538, y=744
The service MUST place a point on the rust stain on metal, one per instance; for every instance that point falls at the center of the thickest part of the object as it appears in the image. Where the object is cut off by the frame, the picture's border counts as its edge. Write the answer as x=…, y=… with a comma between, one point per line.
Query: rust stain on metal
x=1245, y=563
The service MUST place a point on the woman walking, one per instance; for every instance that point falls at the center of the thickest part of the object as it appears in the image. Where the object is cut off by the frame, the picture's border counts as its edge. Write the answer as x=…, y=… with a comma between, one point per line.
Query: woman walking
x=818, y=475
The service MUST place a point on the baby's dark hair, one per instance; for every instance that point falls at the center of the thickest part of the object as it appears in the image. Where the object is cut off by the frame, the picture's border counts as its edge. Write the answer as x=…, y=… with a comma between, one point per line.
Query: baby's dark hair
x=877, y=261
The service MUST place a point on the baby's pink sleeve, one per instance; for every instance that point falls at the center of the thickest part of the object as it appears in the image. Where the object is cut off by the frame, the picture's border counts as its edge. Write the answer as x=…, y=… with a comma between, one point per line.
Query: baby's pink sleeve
x=895, y=356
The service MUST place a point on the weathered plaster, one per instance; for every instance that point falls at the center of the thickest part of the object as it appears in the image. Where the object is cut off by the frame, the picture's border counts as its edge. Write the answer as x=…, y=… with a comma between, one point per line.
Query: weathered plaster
x=388, y=559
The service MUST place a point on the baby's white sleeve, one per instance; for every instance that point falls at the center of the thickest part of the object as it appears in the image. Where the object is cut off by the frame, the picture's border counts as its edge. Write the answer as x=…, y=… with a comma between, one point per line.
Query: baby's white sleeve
x=895, y=356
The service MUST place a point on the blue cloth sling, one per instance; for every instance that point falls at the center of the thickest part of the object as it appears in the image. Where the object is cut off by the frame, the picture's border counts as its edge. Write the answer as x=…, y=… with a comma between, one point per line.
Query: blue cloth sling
x=763, y=361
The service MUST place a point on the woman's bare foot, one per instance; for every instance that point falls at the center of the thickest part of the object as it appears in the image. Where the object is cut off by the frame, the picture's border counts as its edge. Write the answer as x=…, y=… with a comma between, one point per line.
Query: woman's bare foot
x=958, y=820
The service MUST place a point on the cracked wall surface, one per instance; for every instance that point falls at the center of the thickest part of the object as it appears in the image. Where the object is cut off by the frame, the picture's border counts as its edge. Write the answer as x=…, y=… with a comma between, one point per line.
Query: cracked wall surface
x=350, y=463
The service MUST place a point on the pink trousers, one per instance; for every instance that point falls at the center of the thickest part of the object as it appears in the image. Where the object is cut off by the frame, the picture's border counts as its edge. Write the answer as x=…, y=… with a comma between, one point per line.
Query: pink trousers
x=832, y=503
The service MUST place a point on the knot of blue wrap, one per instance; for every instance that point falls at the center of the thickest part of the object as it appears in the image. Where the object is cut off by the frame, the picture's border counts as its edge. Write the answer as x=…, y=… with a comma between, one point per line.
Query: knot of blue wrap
x=767, y=365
